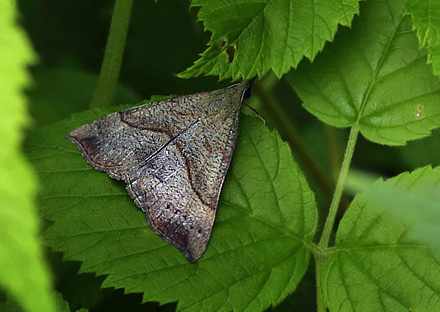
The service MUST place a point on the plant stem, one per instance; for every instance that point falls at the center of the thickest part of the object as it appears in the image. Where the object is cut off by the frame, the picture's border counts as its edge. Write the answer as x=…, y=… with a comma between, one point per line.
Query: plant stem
x=319, y=297
x=108, y=78
x=339, y=187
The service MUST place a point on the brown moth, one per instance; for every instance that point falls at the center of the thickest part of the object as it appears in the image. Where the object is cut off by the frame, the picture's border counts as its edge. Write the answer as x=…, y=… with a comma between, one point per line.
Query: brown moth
x=173, y=155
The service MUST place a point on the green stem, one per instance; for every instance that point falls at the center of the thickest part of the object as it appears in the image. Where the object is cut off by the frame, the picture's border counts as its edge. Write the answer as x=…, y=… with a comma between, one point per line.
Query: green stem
x=339, y=187
x=319, y=297
x=108, y=78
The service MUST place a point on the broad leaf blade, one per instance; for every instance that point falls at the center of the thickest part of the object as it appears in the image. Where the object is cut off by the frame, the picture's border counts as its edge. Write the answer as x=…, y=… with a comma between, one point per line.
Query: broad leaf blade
x=377, y=266
x=418, y=209
x=257, y=253
x=373, y=74
x=250, y=38
x=23, y=273
x=426, y=20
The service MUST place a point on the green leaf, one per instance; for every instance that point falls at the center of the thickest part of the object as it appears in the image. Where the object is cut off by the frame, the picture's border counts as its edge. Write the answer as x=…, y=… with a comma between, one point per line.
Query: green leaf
x=60, y=305
x=376, y=265
x=10, y=306
x=23, y=273
x=426, y=20
x=358, y=181
x=249, y=38
x=258, y=252
x=373, y=75
x=422, y=222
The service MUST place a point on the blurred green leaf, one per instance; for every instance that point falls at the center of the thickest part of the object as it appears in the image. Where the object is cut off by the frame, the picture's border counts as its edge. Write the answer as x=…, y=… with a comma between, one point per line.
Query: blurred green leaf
x=62, y=305
x=358, y=181
x=376, y=265
x=250, y=38
x=23, y=273
x=415, y=199
x=258, y=252
x=426, y=20
x=373, y=74
x=10, y=306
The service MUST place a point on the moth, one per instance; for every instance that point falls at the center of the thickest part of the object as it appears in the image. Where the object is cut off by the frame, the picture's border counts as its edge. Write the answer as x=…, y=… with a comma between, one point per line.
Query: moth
x=173, y=156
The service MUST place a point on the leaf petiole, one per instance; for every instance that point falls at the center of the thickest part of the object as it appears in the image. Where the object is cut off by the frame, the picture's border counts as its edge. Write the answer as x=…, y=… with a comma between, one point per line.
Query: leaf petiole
x=339, y=186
